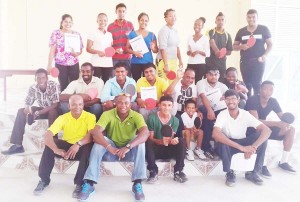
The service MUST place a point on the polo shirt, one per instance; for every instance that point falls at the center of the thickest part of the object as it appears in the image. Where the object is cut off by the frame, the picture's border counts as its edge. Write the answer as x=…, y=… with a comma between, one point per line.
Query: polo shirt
x=121, y=132
x=160, y=84
x=74, y=129
x=236, y=128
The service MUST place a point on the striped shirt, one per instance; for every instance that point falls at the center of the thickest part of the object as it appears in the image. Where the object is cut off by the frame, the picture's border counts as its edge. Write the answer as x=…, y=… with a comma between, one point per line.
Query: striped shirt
x=120, y=37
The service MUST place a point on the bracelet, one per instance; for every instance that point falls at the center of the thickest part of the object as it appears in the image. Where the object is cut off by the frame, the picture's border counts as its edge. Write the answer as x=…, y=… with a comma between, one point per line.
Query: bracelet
x=109, y=145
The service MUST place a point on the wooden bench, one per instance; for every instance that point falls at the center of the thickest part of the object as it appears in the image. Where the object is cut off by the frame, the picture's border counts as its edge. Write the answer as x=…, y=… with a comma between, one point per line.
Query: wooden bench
x=10, y=72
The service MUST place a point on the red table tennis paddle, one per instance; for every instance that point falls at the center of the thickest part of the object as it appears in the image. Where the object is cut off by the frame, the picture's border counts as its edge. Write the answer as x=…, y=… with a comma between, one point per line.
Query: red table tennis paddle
x=251, y=41
x=171, y=75
x=109, y=51
x=54, y=72
x=150, y=103
x=92, y=92
x=223, y=52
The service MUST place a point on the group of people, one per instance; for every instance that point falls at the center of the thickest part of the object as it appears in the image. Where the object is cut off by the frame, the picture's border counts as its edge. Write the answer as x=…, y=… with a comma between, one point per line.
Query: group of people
x=102, y=121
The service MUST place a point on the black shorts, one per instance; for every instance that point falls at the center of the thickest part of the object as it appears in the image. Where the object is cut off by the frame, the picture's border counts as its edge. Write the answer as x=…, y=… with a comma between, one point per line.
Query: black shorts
x=275, y=134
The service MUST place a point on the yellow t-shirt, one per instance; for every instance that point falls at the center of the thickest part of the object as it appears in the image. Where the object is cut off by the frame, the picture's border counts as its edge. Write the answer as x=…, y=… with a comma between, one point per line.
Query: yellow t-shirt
x=160, y=84
x=74, y=129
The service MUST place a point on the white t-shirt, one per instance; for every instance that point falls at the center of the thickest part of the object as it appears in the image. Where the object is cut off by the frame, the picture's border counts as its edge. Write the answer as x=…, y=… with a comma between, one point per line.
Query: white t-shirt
x=100, y=42
x=188, y=122
x=180, y=96
x=79, y=86
x=201, y=45
x=236, y=128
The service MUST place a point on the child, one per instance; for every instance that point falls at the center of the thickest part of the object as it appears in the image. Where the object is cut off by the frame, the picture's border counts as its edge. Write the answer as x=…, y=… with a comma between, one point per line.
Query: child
x=191, y=132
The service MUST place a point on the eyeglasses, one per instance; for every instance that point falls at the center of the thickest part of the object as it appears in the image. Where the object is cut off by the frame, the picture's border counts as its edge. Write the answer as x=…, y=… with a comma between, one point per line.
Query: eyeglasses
x=125, y=94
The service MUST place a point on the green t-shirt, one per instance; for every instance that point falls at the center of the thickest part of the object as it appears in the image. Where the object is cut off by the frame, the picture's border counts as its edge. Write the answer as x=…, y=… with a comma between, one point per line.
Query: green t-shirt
x=121, y=132
x=154, y=124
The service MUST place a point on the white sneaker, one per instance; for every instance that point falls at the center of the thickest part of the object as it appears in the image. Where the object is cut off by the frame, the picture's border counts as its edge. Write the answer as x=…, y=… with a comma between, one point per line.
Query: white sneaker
x=189, y=155
x=199, y=153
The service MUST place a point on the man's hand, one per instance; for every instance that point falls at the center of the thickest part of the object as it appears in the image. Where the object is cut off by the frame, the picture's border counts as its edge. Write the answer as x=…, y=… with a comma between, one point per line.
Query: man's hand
x=72, y=152
x=100, y=53
x=247, y=155
x=60, y=152
x=112, y=150
x=284, y=127
x=27, y=110
x=108, y=105
x=248, y=149
x=122, y=152
x=174, y=141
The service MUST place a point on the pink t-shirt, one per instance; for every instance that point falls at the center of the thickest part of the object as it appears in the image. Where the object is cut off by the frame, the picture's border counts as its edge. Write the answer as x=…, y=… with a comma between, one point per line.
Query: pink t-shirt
x=61, y=57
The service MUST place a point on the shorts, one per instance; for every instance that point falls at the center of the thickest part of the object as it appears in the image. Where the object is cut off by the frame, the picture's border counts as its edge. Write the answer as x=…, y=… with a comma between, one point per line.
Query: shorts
x=275, y=134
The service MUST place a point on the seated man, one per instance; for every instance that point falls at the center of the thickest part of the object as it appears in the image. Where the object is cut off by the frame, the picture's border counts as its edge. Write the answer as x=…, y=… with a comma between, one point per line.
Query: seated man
x=123, y=139
x=230, y=134
x=46, y=94
x=76, y=143
x=81, y=87
x=116, y=85
x=151, y=83
x=260, y=106
x=211, y=103
x=232, y=82
x=156, y=148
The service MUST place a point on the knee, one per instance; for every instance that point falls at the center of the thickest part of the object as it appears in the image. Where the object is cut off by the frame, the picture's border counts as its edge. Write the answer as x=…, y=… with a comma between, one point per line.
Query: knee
x=64, y=107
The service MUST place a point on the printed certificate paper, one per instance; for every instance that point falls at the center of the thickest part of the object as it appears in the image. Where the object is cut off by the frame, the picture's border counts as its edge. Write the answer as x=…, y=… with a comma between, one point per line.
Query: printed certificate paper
x=148, y=92
x=138, y=44
x=72, y=41
x=214, y=97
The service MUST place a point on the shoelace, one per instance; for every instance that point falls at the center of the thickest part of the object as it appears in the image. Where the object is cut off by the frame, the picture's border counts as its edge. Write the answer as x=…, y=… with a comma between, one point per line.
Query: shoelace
x=85, y=187
x=138, y=188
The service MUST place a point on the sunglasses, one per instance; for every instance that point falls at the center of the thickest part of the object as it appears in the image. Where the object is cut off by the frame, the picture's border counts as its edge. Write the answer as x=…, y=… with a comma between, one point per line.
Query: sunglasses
x=125, y=94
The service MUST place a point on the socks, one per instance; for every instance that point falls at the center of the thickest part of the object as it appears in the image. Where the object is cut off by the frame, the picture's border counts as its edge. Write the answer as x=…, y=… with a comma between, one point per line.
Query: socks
x=285, y=157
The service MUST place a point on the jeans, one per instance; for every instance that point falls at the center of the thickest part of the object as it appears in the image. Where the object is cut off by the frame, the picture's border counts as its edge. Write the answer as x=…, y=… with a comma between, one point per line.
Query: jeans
x=104, y=73
x=95, y=109
x=99, y=154
x=67, y=74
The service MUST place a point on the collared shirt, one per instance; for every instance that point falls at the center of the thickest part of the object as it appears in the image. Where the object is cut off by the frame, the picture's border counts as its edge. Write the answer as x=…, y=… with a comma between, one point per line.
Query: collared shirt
x=74, y=129
x=43, y=99
x=121, y=132
x=160, y=84
x=79, y=86
x=112, y=89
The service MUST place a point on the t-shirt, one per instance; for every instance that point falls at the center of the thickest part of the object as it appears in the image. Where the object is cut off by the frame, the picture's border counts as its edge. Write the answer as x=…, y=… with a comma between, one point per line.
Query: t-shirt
x=160, y=84
x=236, y=128
x=168, y=39
x=154, y=124
x=74, y=129
x=261, y=34
x=121, y=132
x=201, y=45
x=253, y=103
x=188, y=121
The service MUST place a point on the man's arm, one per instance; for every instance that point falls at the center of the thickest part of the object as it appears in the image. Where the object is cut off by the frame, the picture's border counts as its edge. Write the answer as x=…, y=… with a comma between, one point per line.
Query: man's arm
x=237, y=46
x=210, y=112
x=47, y=109
x=265, y=133
x=49, y=141
x=142, y=136
x=156, y=141
x=91, y=102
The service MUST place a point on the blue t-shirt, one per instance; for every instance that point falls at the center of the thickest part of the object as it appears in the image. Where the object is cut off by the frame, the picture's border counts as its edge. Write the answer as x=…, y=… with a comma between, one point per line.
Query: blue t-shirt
x=147, y=57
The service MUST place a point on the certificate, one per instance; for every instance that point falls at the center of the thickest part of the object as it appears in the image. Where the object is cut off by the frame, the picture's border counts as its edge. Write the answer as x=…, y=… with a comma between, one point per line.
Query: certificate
x=148, y=92
x=138, y=44
x=214, y=97
x=72, y=41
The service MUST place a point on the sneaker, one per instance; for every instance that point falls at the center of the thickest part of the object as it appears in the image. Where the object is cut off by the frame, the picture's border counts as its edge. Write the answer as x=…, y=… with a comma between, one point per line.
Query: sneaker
x=189, y=155
x=137, y=190
x=76, y=191
x=40, y=187
x=230, y=178
x=200, y=153
x=14, y=149
x=265, y=172
x=86, y=191
x=286, y=167
x=179, y=176
x=253, y=177
x=153, y=177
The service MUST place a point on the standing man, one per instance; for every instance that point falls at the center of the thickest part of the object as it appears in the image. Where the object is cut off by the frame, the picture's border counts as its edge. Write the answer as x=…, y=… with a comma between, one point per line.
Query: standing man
x=260, y=106
x=76, y=143
x=230, y=134
x=253, y=58
x=123, y=140
x=84, y=87
x=218, y=39
x=46, y=94
x=120, y=29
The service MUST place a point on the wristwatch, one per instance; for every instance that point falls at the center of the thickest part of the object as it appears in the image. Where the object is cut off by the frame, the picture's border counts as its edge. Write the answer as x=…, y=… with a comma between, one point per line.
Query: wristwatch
x=128, y=146
x=36, y=113
x=79, y=143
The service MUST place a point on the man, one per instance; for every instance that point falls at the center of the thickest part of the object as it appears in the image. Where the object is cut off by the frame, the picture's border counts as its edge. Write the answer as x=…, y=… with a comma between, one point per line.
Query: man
x=76, y=143
x=120, y=29
x=116, y=85
x=124, y=137
x=158, y=148
x=260, y=107
x=210, y=103
x=84, y=87
x=230, y=134
x=218, y=39
x=149, y=86
x=46, y=94
x=253, y=58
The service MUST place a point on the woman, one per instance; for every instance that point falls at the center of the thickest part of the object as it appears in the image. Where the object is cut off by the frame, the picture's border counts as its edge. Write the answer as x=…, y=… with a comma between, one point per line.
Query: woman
x=169, y=51
x=139, y=60
x=97, y=42
x=66, y=58
x=198, y=49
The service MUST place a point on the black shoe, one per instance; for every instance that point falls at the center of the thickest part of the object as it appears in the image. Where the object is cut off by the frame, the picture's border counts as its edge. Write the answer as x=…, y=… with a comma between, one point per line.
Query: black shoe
x=265, y=172
x=179, y=176
x=230, y=178
x=76, y=191
x=14, y=149
x=286, y=167
x=40, y=187
x=253, y=177
x=153, y=177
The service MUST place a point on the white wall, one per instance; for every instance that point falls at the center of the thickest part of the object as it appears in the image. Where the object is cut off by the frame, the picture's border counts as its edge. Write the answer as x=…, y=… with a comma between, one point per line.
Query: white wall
x=26, y=25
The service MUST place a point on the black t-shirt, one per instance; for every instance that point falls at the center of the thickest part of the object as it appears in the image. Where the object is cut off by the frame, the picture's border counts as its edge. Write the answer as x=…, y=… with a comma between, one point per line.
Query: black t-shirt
x=261, y=34
x=253, y=103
